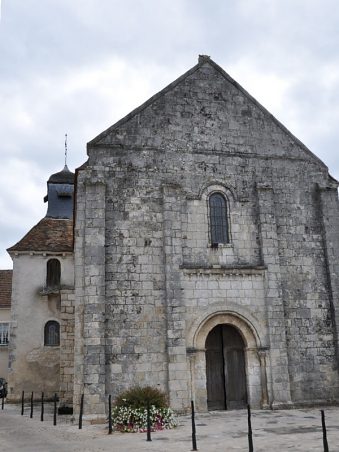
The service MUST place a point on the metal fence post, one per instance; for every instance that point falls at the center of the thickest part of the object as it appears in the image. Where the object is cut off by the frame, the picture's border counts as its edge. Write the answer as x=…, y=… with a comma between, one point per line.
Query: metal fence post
x=194, y=436
x=110, y=415
x=250, y=439
x=81, y=411
x=31, y=414
x=55, y=410
x=323, y=424
x=148, y=422
x=22, y=403
x=42, y=407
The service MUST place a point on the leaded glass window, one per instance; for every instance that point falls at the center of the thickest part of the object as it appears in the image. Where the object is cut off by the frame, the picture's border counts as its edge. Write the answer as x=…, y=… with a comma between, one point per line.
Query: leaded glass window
x=52, y=333
x=218, y=219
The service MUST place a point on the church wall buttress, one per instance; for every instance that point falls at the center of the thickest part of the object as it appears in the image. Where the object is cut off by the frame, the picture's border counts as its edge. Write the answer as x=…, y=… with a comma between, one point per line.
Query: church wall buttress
x=90, y=307
x=274, y=303
x=329, y=213
x=178, y=376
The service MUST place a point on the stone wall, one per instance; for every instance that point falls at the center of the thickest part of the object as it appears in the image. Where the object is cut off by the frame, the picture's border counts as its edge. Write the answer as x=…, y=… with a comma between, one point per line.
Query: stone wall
x=146, y=214
x=66, y=347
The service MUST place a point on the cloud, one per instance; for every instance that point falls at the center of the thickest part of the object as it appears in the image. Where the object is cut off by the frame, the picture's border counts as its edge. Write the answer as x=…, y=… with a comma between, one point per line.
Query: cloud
x=79, y=66
x=22, y=185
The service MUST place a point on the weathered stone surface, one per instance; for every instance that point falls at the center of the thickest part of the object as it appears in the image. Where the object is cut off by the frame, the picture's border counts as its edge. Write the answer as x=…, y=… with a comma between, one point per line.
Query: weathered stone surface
x=149, y=285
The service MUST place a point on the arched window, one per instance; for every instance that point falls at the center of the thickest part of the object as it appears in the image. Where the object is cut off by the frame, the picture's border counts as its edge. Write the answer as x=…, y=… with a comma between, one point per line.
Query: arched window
x=52, y=333
x=53, y=273
x=218, y=219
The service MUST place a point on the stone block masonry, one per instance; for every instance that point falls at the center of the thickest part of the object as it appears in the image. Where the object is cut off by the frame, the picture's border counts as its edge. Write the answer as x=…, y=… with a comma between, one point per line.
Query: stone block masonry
x=150, y=285
x=66, y=347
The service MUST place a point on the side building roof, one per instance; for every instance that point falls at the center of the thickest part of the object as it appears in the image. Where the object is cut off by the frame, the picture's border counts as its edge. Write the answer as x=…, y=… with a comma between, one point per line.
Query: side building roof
x=50, y=234
x=5, y=288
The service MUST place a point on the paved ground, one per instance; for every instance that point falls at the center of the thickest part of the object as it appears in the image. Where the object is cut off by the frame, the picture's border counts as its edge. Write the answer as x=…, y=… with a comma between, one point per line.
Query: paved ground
x=285, y=430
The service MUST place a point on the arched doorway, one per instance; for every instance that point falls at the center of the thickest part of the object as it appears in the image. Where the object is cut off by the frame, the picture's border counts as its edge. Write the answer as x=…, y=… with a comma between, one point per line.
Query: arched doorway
x=225, y=369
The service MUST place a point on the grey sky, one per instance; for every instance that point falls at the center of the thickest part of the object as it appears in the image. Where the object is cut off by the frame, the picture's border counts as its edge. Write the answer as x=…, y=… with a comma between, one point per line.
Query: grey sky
x=77, y=66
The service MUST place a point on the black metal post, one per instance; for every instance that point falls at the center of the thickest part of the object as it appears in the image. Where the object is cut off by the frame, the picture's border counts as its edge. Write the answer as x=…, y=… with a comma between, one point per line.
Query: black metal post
x=324, y=431
x=81, y=411
x=194, y=436
x=110, y=429
x=250, y=439
x=42, y=407
x=148, y=422
x=31, y=414
x=55, y=410
x=22, y=403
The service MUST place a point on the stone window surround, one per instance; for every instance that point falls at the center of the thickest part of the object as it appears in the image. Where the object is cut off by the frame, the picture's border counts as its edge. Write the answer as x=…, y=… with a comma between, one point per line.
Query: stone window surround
x=229, y=194
x=218, y=219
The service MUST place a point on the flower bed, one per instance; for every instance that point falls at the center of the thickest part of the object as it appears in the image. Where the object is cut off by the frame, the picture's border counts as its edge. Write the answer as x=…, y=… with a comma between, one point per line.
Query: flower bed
x=128, y=419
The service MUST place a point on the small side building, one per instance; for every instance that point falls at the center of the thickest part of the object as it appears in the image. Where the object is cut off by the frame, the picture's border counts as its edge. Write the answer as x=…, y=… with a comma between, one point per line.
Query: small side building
x=42, y=298
x=5, y=315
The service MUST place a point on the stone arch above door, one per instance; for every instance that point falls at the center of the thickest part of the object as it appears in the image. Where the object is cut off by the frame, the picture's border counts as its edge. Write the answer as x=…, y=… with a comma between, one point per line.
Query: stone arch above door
x=255, y=365
x=247, y=325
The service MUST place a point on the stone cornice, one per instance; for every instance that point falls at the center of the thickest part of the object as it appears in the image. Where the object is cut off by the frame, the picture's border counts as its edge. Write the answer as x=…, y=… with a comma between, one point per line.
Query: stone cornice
x=223, y=269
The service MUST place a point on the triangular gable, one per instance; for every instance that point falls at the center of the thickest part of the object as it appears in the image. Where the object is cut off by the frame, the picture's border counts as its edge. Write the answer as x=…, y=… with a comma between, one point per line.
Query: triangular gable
x=203, y=60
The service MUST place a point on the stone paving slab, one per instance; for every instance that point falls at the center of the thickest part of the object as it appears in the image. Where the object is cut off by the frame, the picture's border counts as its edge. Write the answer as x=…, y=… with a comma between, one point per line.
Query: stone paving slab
x=285, y=430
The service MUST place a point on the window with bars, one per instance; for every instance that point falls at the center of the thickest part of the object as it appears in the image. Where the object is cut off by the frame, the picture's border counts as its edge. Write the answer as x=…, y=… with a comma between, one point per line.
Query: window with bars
x=4, y=333
x=218, y=219
x=52, y=333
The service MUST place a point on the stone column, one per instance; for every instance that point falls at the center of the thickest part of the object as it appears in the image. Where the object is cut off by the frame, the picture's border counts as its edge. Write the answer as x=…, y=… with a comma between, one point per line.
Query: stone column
x=263, y=374
x=329, y=215
x=90, y=295
x=281, y=395
x=178, y=372
x=197, y=361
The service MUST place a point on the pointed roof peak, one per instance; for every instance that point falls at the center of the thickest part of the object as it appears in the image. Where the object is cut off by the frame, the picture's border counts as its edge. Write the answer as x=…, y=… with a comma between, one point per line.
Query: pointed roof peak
x=203, y=59
x=65, y=176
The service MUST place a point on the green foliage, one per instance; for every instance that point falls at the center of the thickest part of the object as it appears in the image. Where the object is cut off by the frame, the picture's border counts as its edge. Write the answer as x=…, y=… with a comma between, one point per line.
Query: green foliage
x=138, y=397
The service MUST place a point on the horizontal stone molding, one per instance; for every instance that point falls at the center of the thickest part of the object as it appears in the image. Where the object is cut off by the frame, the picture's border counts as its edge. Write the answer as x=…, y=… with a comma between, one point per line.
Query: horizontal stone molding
x=223, y=270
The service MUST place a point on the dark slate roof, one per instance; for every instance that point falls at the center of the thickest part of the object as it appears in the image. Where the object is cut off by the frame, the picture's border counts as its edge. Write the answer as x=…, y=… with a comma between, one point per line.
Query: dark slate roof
x=50, y=234
x=62, y=177
x=5, y=288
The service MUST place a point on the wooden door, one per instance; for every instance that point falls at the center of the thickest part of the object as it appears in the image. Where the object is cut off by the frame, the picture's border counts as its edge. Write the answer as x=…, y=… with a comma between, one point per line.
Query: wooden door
x=215, y=370
x=225, y=369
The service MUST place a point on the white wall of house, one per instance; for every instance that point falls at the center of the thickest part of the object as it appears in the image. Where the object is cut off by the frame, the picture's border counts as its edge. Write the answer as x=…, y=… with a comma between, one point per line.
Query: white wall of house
x=5, y=316
x=32, y=365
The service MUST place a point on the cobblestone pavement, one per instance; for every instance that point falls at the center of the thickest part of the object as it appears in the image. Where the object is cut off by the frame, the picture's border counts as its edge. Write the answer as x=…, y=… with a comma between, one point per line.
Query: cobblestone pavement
x=285, y=430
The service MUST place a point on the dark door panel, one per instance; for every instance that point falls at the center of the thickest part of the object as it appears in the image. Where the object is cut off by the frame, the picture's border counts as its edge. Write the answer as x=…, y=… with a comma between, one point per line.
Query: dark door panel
x=215, y=371
x=225, y=369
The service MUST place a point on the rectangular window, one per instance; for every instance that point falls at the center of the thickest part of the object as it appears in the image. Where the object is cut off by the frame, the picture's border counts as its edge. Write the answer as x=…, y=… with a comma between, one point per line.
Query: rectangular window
x=4, y=333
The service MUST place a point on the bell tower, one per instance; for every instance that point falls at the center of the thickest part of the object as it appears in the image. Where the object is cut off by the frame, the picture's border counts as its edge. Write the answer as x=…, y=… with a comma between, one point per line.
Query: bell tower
x=60, y=190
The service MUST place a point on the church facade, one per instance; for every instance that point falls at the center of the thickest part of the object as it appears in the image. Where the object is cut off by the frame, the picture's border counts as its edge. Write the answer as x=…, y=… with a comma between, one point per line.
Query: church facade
x=206, y=254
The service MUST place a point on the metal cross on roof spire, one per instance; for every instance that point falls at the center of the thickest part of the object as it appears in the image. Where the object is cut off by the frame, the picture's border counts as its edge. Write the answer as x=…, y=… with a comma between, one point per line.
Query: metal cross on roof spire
x=65, y=149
